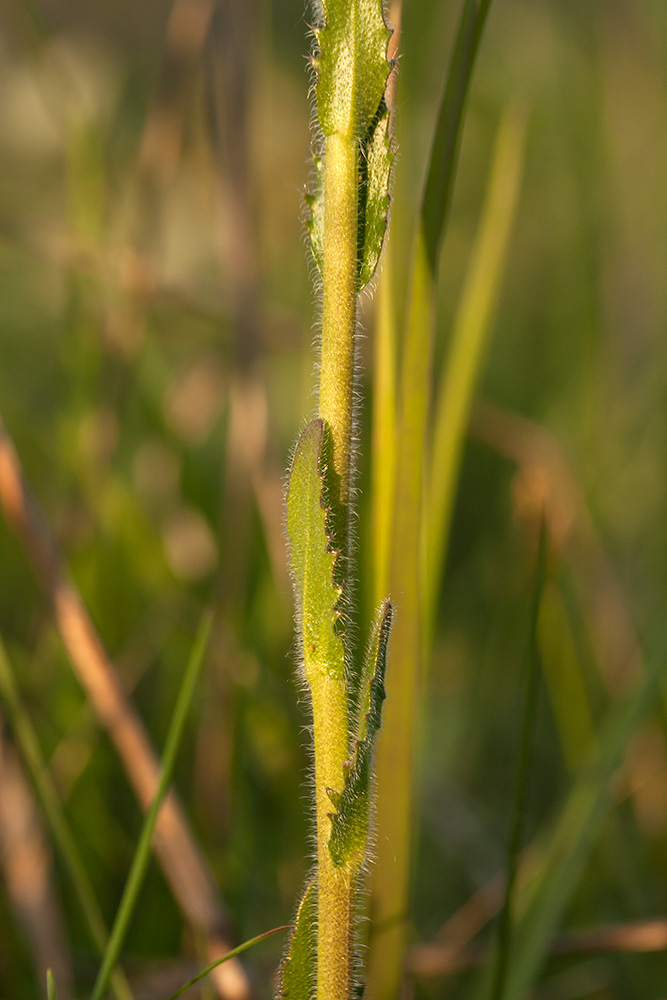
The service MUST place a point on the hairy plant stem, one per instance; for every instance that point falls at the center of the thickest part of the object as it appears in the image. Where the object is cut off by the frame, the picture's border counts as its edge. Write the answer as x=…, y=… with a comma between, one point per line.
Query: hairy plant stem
x=339, y=298
x=330, y=708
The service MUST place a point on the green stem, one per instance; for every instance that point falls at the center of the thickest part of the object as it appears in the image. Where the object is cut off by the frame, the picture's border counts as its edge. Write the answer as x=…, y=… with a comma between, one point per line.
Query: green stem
x=330, y=708
x=339, y=298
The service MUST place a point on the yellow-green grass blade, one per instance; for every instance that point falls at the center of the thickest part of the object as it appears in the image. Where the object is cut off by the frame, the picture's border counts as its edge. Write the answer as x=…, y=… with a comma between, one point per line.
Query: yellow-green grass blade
x=389, y=884
x=466, y=351
x=383, y=463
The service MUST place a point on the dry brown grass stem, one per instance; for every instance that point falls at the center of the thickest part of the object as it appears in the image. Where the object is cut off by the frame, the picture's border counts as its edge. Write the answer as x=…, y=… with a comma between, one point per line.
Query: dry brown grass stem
x=438, y=959
x=179, y=856
x=546, y=481
x=27, y=867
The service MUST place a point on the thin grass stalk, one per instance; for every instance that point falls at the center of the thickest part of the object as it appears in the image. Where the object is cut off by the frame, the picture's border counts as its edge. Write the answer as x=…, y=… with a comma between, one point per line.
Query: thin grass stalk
x=225, y=958
x=142, y=853
x=523, y=770
x=466, y=351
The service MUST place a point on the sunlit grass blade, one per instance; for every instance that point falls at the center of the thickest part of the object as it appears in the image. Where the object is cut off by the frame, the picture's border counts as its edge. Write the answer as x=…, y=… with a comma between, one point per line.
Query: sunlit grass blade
x=466, y=351
x=444, y=154
x=143, y=850
x=225, y=958
x=395, y=754
x=49, y=802
x=525, y=753
x=384, y=429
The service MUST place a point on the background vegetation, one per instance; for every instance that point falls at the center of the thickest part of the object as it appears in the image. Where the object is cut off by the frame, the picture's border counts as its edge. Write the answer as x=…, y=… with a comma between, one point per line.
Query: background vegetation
x=156, y=363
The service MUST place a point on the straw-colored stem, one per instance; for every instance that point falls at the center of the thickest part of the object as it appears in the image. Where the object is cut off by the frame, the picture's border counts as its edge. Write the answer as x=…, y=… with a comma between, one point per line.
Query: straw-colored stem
x=330, y=711
x=339, y=299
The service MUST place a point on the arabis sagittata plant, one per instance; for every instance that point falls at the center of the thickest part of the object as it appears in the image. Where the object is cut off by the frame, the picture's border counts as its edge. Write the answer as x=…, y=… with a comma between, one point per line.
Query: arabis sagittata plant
x=348, y=218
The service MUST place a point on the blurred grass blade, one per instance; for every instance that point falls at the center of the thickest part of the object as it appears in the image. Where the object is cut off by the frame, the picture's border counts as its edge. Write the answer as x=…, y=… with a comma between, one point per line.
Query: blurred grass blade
x=560, y=861
x=225, y=958
x=390, y=877
x=466, y=350
x=525, y=751
x=564, y=675
x=444, y=153
x=50, y=986
x=49, y=802
x=577, y=829
x=143, y=850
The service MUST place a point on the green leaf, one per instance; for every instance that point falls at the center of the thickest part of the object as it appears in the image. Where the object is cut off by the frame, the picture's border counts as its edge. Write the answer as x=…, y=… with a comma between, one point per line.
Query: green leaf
x=349, y=824
x=312, y=559
x=374, y=168
x=299, y=974
x=376, y=649
x=375, y=161
x=351, y=65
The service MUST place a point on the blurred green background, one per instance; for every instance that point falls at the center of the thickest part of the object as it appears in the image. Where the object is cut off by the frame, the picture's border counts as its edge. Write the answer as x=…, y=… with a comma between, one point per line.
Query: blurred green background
x=156, y=363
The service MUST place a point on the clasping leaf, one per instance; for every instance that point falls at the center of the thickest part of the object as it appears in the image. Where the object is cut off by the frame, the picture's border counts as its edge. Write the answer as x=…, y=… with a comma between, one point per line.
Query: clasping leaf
x=352, y=72
x=299, y=973
x=312, y=560
x=349, y=824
